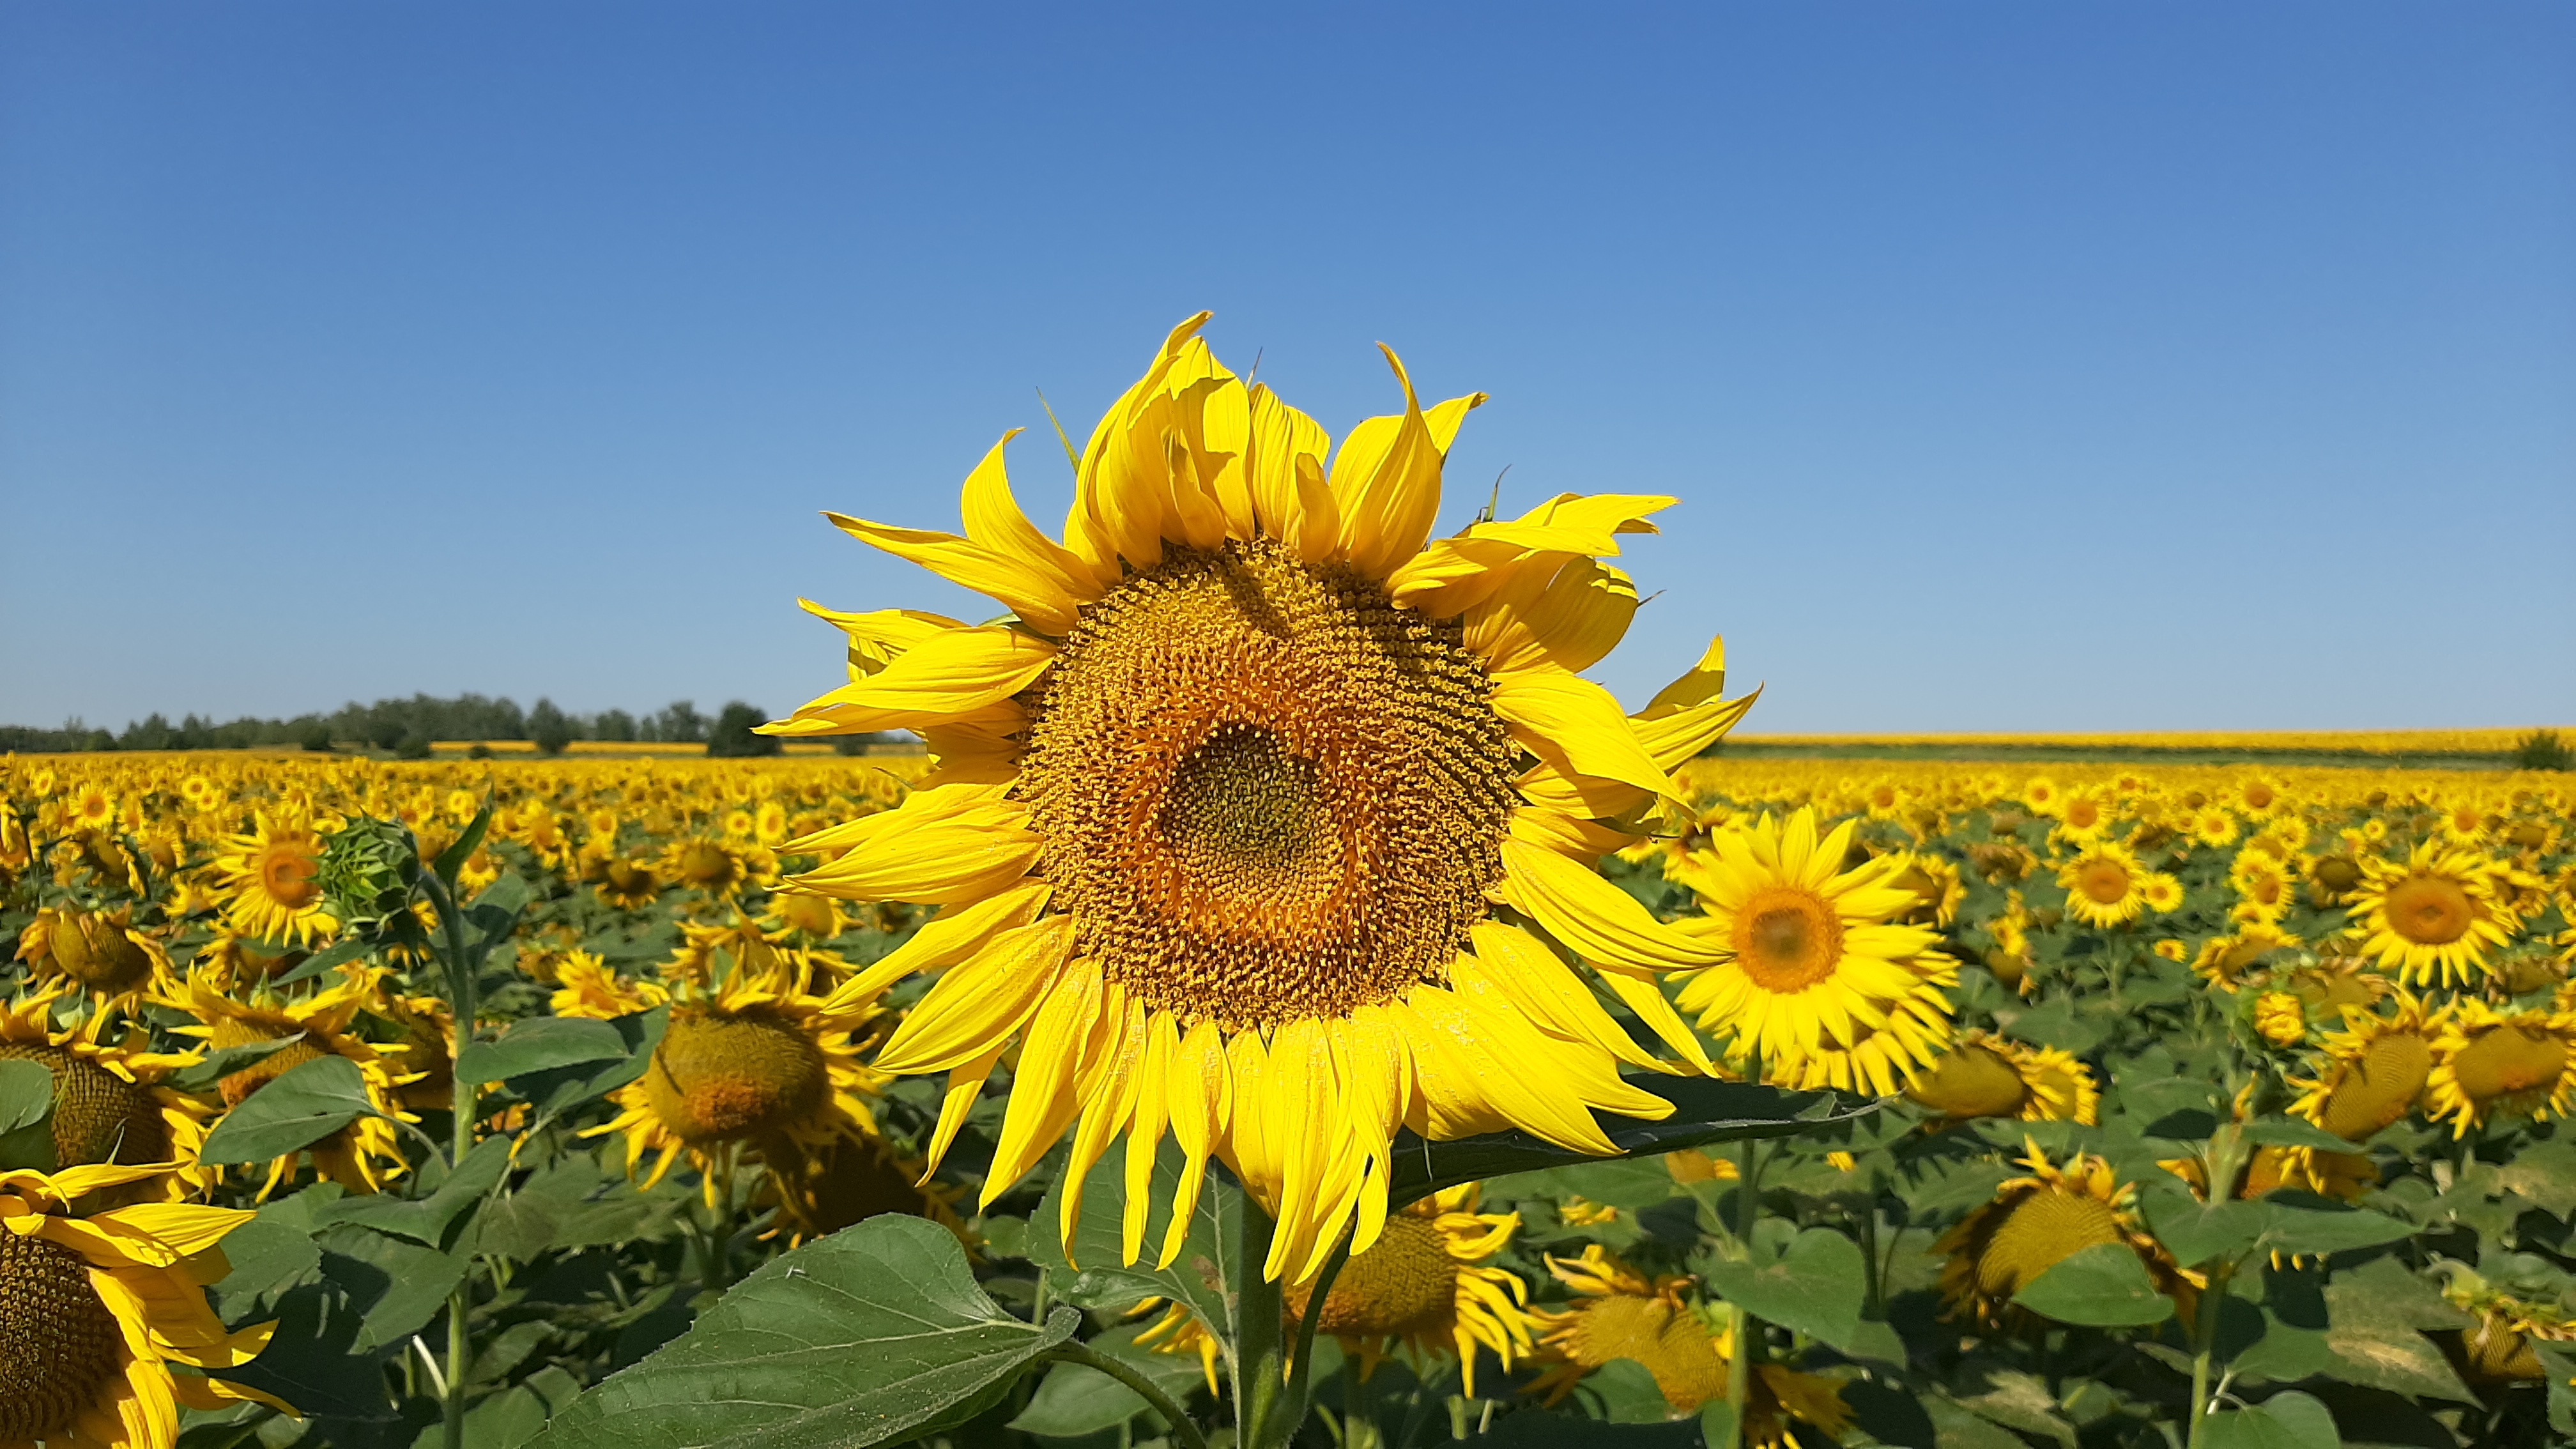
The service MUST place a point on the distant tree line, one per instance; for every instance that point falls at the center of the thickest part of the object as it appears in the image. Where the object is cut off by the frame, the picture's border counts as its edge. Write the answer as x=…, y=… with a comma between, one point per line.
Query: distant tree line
x=406, y=727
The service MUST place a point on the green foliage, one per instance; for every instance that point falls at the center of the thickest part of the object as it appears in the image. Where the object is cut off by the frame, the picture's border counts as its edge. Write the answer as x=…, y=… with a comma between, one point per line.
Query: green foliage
x=2543, y=750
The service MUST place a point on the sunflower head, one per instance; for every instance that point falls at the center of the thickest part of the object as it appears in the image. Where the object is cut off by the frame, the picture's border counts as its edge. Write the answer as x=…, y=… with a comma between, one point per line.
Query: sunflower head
x=368, y=871
x=2434, y=917
x=59, y=1343
x=2375, y=1069
x=2033, y=1224
x=2105, y=886
x=95, y=949
x=2488, y=1062
x=734, y=1075
x=1991, y=1076
x=1618, y=1313
x=628, y=884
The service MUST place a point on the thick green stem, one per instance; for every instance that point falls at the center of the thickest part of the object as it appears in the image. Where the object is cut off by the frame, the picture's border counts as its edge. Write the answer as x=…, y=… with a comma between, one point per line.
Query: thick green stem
x=1260, y=1337
x=2204, y=1343
x=1300, y=1391
x=1091, y=1358
x=464, y=1005
x=1748, y=1212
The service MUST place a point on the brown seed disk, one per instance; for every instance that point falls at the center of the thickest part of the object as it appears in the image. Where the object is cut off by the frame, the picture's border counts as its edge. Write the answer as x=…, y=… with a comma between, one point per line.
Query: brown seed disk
x=1265, y=792
x=99, y=1117
x=58, y=1342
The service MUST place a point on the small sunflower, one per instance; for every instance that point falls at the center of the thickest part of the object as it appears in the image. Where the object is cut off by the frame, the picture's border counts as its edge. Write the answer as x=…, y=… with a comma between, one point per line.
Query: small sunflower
x=1983, y=1075
x=2105, y=886
x=110, y=1107
x=2035, y=1223
x=2375, y=1069
x=2280, y=1018
x=1937, y=882
x=629, y=885
x=2215, y=826
x=2223, y=959
x=587, y=985
x=754, y=1065
x=2161, y=892
x=362, y=1156
x=104, y=1326
x=1618, y=1313
x=1427, y=1285
x=2489, y=1063
x=2433, y=918
x=98, y=951
x=1819, y=978
x=719, y=868
x=2264, y=889
x=816, y=918
x=272, y=875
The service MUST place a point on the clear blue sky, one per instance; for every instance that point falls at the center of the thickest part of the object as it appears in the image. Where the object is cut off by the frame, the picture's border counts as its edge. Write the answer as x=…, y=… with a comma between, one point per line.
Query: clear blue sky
x=2021, y=366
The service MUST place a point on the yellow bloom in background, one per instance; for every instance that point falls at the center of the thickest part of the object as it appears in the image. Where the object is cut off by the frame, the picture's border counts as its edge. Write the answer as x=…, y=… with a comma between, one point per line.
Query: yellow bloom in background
x=362, y=1156
x=588, y=986
x=2489, y=1063
x=2375, y=1069
x=1984, y=1075
x=2433, y=918
x=1937, y=882
x=270, y=875
x=2223, y=959
x=95, y=951
x=2263, y=886
x=629, y=885
x=1221, y=813
x=2215, y=826
x=2035, y=1223
x=2105, y=886
x=110, y=1108
x=105, y=1331
x=1818, y=976
x=2281, y=1018
x=1426, y=1286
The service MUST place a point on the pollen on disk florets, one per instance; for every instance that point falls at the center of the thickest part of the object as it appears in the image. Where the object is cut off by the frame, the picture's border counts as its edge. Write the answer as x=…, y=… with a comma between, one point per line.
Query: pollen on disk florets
x=58, y=1341
x=1266, y=792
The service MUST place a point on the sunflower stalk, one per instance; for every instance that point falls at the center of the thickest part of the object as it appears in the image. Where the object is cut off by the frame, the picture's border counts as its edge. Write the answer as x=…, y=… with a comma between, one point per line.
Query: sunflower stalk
x=1260, y=1345
x=1748, y=1213
x=463, y=1005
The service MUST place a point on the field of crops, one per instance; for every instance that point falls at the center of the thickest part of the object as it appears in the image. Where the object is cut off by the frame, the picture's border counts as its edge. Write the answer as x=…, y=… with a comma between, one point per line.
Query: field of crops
x=2340, y=992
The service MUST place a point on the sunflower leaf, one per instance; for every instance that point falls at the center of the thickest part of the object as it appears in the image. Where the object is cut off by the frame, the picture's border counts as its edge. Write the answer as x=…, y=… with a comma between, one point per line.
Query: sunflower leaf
x=224, y=1061
x=875, y=1335
x=432, y=1221
x=452, y=860
x=558, y=1089
x=26, y=1116
x=1095, y=1277
x=321, y=961
x=2103, y=1286
x=306, y=1104
x=2283, y=1421
x=1815, y=1287
x=2298, y=1222
x=539, y=1044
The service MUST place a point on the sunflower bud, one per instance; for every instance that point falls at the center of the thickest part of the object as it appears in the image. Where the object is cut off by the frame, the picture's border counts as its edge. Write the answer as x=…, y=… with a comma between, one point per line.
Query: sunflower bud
x=368, y=873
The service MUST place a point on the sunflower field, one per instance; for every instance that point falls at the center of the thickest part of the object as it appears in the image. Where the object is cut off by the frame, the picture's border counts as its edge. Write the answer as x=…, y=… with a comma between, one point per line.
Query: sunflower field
x=1286, y=1004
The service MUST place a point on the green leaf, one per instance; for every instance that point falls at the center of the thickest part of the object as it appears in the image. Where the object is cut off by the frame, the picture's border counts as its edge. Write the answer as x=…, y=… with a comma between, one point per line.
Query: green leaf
x=541, y=1044
x=431, y=1221
x=1104, y=1283
x=26, y=1116
x=452, y=860
x=1717, y=1424
x=2103, y=1286
x=2543, y=1173
x=1074, y=1401
x=2299, y=1222
x=557, y=1090
x=874, y=1335
x=321, y=961
x=308, y=1103
x=396, y=1285
x=1814, y=1288
x=2196, y=1232
x=224, y=1061
x=2291, y=1132
x=2283, y=1421
x=1704, y=1111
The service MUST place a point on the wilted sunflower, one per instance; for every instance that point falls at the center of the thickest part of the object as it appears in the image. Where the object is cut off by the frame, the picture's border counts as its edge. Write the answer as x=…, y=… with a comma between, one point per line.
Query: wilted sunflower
x=2489, y=1063
x=96, y=951
x=1220, y=816
x=2375, y=1070
x=1983, y=1075
x=1619, y=1314
x=2035, y=1223
x=272, y=877
x=2105, y=886
x=109, y=1105
x=2433, y=918
x=1426, y=1285
x=1819, y=978
x=362, y=1156
x=753, y=1065
x=104, y=1326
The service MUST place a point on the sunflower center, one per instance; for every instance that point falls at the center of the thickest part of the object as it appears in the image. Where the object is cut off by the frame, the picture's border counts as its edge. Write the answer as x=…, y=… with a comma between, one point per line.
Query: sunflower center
x=2381, y=1087
x=2338, y=873
x=1265, y=792
x=1668, y=1340
x=99, y=1117
x=2429, y=911
x=1406, y=1283
x=59, y=1344
x=729, y=1076
x=706, y=866
x=1971, y=1082
x=233, y=1032
x=1788, y=938
x=287, y=873
x=2103, y=882
x=2050, y=1226
x=2511, y=1058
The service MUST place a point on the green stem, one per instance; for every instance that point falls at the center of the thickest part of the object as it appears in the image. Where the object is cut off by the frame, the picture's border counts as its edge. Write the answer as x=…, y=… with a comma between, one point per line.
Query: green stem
x=463, y=1007
x=1092, y=1358
x=1300, y=1389
x=1748, y=1212
x=1260, y=1346
x=2204, y=1356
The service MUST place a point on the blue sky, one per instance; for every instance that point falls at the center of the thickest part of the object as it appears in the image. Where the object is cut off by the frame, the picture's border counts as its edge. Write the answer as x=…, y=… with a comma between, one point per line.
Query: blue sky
x=2020, y=367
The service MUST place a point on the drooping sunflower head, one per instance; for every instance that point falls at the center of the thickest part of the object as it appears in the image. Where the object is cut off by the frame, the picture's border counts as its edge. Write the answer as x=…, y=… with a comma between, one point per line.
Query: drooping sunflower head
x=109, y=1106
x=1821, y=980
x=95, y=951
x=2033, y=1224
x=2224, y=960
x=2375, y=1069
x=2433, y=918
x=629, y=885
x=273, y=878
x=2105, y=886
x=1426, y=1285
x=2489, y=1063
x=1983, y=1075
x=361, y=1156
x=586, y=985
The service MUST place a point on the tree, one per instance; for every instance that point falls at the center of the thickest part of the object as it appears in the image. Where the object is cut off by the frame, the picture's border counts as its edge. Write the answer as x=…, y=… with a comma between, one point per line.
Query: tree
x=613, y=724
x=680, y=722
x=733, y=736
x=550, y=727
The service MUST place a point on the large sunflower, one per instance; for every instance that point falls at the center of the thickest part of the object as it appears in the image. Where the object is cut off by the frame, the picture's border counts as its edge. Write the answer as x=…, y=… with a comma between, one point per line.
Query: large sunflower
x=1983, y=1075
x=1222, y=813
x=104, y=1326
x=109, y=1104
x=271, y=879
x=2512, y=1063
x=2035, y=1223
x=362, y=1156
x=2375, y=1069
x=2433, y=918
x=1818, y=976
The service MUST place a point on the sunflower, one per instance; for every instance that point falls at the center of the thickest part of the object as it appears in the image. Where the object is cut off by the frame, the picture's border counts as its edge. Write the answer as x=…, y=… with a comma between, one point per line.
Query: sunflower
x=853, y=1179
x=2375, y=1069
x=93, y=950
x=2105, y=886
x=719, y=868
x=362, y=1156
x=2085, y=818
x=271, y=875
x=816, y=918
x=753, y=1065
x=2433, y=918
x=2263, y=887
x=1937, y=882
x=1426, y=1285
x=2497, y=1349
x=2488, y=1063
x=1983, y=1075
x=2033, y=1224
x=2214, y=826
x=110, y=1107
x=1220, y=817
x=1818, y=977
x=1618, y=1313
x=2223, y=959
x=104, y=1326
x=629, y=885
x=2280, y=1018
x=588, y=986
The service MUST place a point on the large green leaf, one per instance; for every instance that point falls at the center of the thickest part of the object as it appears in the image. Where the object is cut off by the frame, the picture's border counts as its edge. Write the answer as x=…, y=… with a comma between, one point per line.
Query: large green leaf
x=2283, y=1421
x=1814, y=1288
x=556, y=1090
x=300, y=1108
x=431, y=1221
x=1704, y=1111
x=540, y=1044
x=1094, y=1276
x=27, y=1116
x=874, y=1335
x=2296, y=1222
x=2103, y=1286
x=2196, y=1232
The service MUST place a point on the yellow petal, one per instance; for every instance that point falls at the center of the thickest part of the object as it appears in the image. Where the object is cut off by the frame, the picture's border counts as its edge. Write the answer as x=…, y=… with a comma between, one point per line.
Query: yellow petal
x=1548, y=992
x=1706, y=680
x=979, y=1004
x=1600, y=923
x=954, y=935
x=1575, y=725
x=1387, y=483
x=1286, y=477
x=1060, y=1040
x=994, y=521
x=1031, y=593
